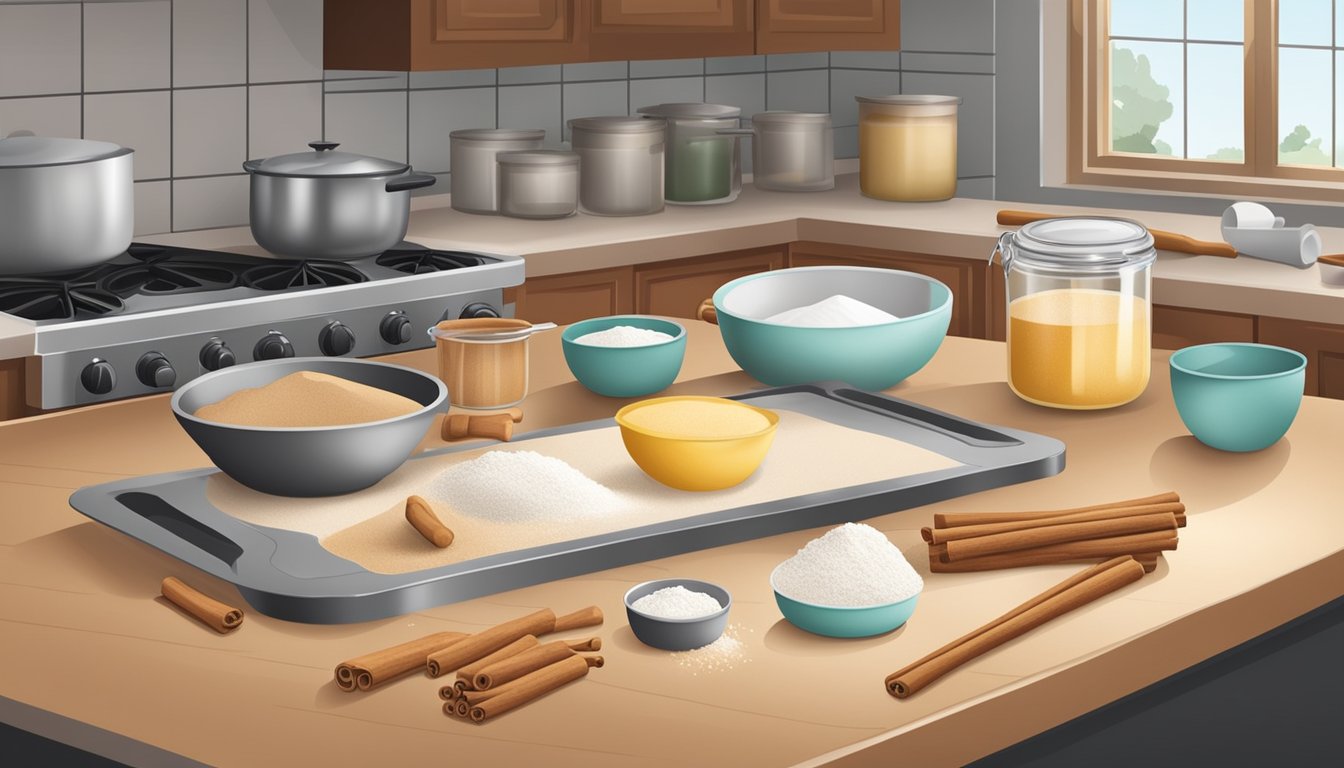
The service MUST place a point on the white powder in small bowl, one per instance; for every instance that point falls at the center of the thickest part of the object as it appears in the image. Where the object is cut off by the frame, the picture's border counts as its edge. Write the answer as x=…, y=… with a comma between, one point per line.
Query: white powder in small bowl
x=522, y=487
x=624, y=336
x=677, y=602
x=853, y=565
x=838, y=311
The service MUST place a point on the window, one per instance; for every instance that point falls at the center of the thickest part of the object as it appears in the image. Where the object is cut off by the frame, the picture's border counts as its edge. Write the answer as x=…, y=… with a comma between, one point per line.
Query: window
x=1238, y=97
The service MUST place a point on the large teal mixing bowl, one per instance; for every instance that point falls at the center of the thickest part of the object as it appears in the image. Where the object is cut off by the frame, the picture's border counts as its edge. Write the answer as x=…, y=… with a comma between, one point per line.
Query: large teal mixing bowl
x=870, y=357
x=1237, y=396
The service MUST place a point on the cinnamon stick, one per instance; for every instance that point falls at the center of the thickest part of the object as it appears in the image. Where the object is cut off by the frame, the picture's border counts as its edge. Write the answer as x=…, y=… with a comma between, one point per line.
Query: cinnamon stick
x=1072, y=593
x=373, y=669
x=533, y=686
x=1148, y=560
x=496, y=426
x=474, y=647
x=212, y=613
x=1090, y=549
x=467, y=673
x=514, y=667
x=954, y=519
x=421, y=515
x=998, y=543
x=940, y=535
x=586, y=644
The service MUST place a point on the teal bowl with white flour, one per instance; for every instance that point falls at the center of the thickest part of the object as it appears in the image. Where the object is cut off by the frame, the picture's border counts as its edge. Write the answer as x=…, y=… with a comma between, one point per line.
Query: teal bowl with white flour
x=625, y=371
x=868, y=355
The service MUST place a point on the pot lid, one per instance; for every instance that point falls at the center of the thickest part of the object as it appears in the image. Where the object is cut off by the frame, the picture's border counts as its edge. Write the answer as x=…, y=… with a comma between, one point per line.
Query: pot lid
x=691, y=110
x=499, y=134
x=1090, y=243
x=32, y=151
x=617, y=124
x=781, y=118
x=910, y=99
x=325, y=161
x=558, y=157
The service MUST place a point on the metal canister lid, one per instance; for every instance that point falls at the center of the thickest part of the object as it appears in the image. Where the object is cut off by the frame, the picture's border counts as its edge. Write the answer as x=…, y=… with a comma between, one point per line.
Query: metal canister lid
x=34, y=151
x=538, y=157
x=1078, y=244
x=617, y=124
x=910, y=99
x=325, y=161
x=784, y=119
x=499, y=134
x=691, y=110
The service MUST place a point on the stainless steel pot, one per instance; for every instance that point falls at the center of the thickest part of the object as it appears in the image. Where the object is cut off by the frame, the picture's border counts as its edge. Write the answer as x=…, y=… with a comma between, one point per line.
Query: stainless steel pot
x=326, y=204
x=791, y=151
x=64, y=203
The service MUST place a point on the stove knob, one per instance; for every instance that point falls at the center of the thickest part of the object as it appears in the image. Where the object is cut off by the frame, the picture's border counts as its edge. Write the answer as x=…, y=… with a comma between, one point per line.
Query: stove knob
x=98, y=377
x=336, y=339
x=216, y=354
x=154, y=370
x=479, y=309
x=272, y=346
x=395, y=328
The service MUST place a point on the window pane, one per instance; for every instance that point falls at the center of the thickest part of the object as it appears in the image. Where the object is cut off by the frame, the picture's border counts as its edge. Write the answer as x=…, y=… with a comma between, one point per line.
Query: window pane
x=1339, y=22
x=1146, y=98
x=1216, y=20
x=1215, y=106
x=1305, y=22
x=1339, y=108
x=1305, y=106
x=1147, y=18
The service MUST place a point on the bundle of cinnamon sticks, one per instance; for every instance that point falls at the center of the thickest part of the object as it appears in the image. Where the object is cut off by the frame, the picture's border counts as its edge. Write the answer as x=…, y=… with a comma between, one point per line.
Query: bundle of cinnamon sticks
x=506, y=659
x=1143, y=528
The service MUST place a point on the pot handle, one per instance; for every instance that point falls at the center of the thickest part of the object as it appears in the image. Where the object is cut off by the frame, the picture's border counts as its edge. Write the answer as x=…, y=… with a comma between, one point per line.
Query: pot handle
x=410, y=181
x=252, y=166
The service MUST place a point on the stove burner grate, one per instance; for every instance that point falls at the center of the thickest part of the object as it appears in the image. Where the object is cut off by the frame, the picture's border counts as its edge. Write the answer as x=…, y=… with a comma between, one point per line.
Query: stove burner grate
x=415, y=261
x=56, y=299
x=162, y=271
x=285, y=275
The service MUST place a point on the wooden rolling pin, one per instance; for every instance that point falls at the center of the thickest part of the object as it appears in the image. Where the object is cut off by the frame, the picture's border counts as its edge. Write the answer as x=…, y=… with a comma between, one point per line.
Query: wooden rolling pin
x=1166, y=241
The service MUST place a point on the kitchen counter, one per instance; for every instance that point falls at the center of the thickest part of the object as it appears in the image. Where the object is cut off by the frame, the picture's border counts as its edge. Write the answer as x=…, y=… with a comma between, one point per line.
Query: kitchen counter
x=98, y=661
x=961, y=227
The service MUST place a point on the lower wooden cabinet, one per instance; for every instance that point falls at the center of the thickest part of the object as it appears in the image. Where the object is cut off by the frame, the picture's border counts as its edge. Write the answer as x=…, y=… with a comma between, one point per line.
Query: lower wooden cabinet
x=676, y=288
x=1176, y=327
x=569, y=298
x=1323, y=345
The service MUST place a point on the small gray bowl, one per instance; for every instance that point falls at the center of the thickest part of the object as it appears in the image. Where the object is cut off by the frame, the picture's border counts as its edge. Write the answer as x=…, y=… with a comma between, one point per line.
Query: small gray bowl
x=677, y=634
x=310, y=461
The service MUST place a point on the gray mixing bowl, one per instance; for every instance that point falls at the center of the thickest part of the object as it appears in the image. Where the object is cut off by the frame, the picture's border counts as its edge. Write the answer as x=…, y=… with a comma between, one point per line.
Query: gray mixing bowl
x=310, y=461
x=677, y=634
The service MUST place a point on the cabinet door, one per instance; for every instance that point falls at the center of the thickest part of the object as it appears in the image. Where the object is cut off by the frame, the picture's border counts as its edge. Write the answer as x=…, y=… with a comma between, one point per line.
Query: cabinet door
x=1176, y=327
x=670, y=29
x=569, y=298
x=1323, y=345
x=965, y=277
x=676, y=288
x=785, y=26
x=12, y=389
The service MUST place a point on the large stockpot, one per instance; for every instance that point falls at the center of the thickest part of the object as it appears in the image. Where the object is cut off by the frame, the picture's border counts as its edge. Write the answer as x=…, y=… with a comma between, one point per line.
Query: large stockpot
x=620, y=164
x=64, y=203
x=472, y=154
x=703, y=167
x=326, y=204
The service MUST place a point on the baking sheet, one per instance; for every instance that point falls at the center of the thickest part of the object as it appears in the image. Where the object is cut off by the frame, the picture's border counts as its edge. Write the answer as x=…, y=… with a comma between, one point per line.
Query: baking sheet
x=283, y=570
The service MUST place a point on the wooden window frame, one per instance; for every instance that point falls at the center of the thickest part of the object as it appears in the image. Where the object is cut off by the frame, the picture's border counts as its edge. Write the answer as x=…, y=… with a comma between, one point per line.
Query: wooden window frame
x=1258, y=176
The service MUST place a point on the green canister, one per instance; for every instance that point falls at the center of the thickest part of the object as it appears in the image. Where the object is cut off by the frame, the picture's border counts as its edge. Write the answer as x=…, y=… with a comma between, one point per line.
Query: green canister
x=702, y=165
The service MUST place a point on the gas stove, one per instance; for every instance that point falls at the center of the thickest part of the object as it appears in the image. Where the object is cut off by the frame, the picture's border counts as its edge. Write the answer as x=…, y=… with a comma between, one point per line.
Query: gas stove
x=158, y=316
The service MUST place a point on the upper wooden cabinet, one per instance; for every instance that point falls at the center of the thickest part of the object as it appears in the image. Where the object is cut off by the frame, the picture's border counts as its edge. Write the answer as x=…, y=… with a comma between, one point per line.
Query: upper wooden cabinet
x=790, y=26
x=403, y=35
x=670, y=29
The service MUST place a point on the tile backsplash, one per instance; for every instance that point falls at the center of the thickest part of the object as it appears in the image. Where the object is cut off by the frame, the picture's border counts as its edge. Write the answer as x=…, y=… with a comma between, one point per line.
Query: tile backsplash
x=198, y=86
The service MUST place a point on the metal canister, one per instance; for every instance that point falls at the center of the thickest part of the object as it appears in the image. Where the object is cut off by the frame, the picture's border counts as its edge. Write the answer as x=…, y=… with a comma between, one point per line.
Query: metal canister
x=538, y=183
x=703, y=165
x=620, y=164
x=792, y=151
x=472, y=157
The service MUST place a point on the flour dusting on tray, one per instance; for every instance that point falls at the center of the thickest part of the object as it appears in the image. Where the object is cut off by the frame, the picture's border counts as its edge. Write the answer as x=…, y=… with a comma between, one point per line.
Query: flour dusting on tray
x=523, y=487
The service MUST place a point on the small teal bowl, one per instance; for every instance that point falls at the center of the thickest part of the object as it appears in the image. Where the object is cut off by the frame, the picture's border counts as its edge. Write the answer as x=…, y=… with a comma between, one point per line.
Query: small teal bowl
x=1237, y=396
x=625, y=371
x=844, y=621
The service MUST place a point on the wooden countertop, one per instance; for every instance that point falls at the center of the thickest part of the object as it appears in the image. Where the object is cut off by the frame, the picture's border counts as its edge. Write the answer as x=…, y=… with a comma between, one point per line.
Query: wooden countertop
x=96, y=660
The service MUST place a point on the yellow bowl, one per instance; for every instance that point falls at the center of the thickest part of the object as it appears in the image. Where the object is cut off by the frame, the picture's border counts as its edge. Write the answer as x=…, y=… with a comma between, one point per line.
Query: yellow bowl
x=690, y=461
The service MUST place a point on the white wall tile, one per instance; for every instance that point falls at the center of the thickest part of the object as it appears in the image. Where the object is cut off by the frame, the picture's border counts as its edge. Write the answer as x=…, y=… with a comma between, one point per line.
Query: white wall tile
x=847, y=141
x=209, y=131
x=44, y=116
x=744, y=91
x=646, y=93
x=452, y=78
x=731, y=65
x=667, y=68
x=209, y=42
x=848, y=83
x=596, y=70
x=805, y=90
x=283, y=118
x=371, y=123
x=364, y=80
x=39, y=49
x=284, y=40
x=219, y=201
x=889, y=60
x=533, y=106
x=139, y=120
x=435, y=114
x=153, y=207
x=974, y=63
x=127, y=46
x=782, y=61
x=593, y=100
x=981, y=187
x=546, y=73
x=975, y=116
x=947, y=25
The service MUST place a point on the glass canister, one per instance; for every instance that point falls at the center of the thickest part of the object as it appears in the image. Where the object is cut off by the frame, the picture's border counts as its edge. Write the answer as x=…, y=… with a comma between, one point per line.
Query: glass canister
x=472, y=159
x=703, y=166
x=620, y=164
x=792, y=151
x=1079, y=317
x=538, y=183
x=908, y=147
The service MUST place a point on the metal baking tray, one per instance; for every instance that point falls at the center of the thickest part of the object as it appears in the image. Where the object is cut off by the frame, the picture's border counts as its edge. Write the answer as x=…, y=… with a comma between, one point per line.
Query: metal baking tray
x=289, y=575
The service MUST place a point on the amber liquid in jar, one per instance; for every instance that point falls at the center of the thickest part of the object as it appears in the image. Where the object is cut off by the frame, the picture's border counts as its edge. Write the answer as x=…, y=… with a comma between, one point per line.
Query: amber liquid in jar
x=1079, y=348
x=908, y=157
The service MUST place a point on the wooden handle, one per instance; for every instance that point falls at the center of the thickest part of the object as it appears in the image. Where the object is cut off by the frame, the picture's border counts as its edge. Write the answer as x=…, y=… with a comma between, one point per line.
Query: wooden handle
x=1166, y=241
x=706, y=312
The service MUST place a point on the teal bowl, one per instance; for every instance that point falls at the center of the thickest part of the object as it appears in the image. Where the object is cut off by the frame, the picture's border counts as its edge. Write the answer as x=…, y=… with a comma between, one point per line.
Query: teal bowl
x=870, y=357
x=1237, y=396
x=844, y=621
x=625, y=371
